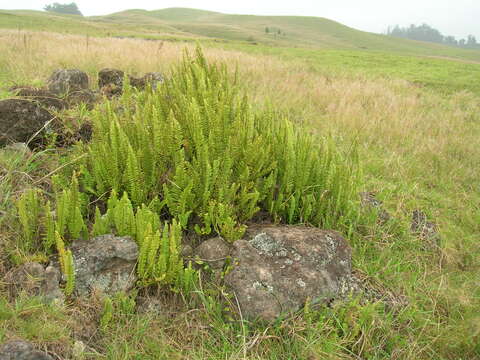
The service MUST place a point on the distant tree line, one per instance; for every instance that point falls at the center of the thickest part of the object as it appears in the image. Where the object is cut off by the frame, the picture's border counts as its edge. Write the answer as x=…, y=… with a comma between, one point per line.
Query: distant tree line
x=425, y=32
x=71, y=8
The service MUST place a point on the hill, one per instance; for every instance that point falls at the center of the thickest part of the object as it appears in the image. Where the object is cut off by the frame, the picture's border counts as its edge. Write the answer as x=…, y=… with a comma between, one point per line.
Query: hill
x=193, y=24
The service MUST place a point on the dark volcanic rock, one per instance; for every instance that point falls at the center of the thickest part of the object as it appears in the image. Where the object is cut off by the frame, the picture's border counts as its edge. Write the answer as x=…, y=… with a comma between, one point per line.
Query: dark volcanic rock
x=21, y=119
x=65, y=81
x=43, y=97
x=21, y=350
x=278, y=268
x=110, y=81
x=106, y=263
x=86, y=96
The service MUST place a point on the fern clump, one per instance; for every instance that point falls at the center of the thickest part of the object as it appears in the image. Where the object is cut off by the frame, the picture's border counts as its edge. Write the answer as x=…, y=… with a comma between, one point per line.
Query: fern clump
x=197, y=146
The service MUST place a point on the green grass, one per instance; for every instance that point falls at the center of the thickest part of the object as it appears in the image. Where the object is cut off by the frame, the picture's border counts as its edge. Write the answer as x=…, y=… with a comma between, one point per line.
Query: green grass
x=444, y=75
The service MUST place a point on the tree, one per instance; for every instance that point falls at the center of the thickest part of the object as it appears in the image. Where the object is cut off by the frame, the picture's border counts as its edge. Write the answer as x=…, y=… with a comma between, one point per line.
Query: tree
x=450, y=40
x=425, y=32
x=267, y=30
x=71, y=8
x=471, y=41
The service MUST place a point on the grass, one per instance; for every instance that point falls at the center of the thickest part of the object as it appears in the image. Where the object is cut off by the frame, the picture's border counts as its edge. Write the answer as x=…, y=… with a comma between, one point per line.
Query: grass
x=419, y=147
x=191, y=24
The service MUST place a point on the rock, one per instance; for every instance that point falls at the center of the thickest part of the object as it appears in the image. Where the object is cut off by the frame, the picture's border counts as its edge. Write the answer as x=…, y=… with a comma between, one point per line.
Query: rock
x=43, y=97
x=21, y=350
x=21, y=119
x=85, y=132
x=425, y=229
x=34, y=280
x=278, y=268
x=65, y=81
x=86, y=96
x=152, y=79
x=187, y=251
x=106, y=263
x=214, y=252
x=110, y=81
x=369, y=200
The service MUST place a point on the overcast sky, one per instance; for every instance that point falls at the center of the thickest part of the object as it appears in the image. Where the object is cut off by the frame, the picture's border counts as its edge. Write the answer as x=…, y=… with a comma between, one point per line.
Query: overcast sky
x=458, y=18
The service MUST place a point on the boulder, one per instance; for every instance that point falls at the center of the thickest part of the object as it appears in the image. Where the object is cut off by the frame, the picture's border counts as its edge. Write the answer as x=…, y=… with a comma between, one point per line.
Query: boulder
x=21, y=350
x=65, y=81
x=214, y=252
x=43, y=97
x=20, y=119
x=277, y=269
x=105, y=263
x=110, y=81
x=34, y=280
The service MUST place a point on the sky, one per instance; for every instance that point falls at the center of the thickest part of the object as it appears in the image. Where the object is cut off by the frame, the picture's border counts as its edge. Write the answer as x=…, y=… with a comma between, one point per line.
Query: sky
x=458, y=18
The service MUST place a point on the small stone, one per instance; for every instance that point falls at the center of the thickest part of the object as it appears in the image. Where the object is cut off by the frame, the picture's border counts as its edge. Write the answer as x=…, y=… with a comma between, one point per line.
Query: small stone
x=426, y=230
x=214, y=252
x=369, y=200
x=187, y=251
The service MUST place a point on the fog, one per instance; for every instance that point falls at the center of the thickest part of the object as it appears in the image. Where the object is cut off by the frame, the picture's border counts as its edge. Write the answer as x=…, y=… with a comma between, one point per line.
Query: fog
x=458, y=18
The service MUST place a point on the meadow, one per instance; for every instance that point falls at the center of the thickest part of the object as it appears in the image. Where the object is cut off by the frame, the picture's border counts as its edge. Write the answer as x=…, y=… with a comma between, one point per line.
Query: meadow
x=414, y=122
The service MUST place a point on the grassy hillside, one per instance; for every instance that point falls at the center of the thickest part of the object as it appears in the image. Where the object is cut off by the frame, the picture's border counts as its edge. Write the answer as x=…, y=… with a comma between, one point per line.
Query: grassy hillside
x=289, y=31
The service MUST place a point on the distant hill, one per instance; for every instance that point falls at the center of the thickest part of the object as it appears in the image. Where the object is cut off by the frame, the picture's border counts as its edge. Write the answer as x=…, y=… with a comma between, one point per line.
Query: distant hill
x=191, y=24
